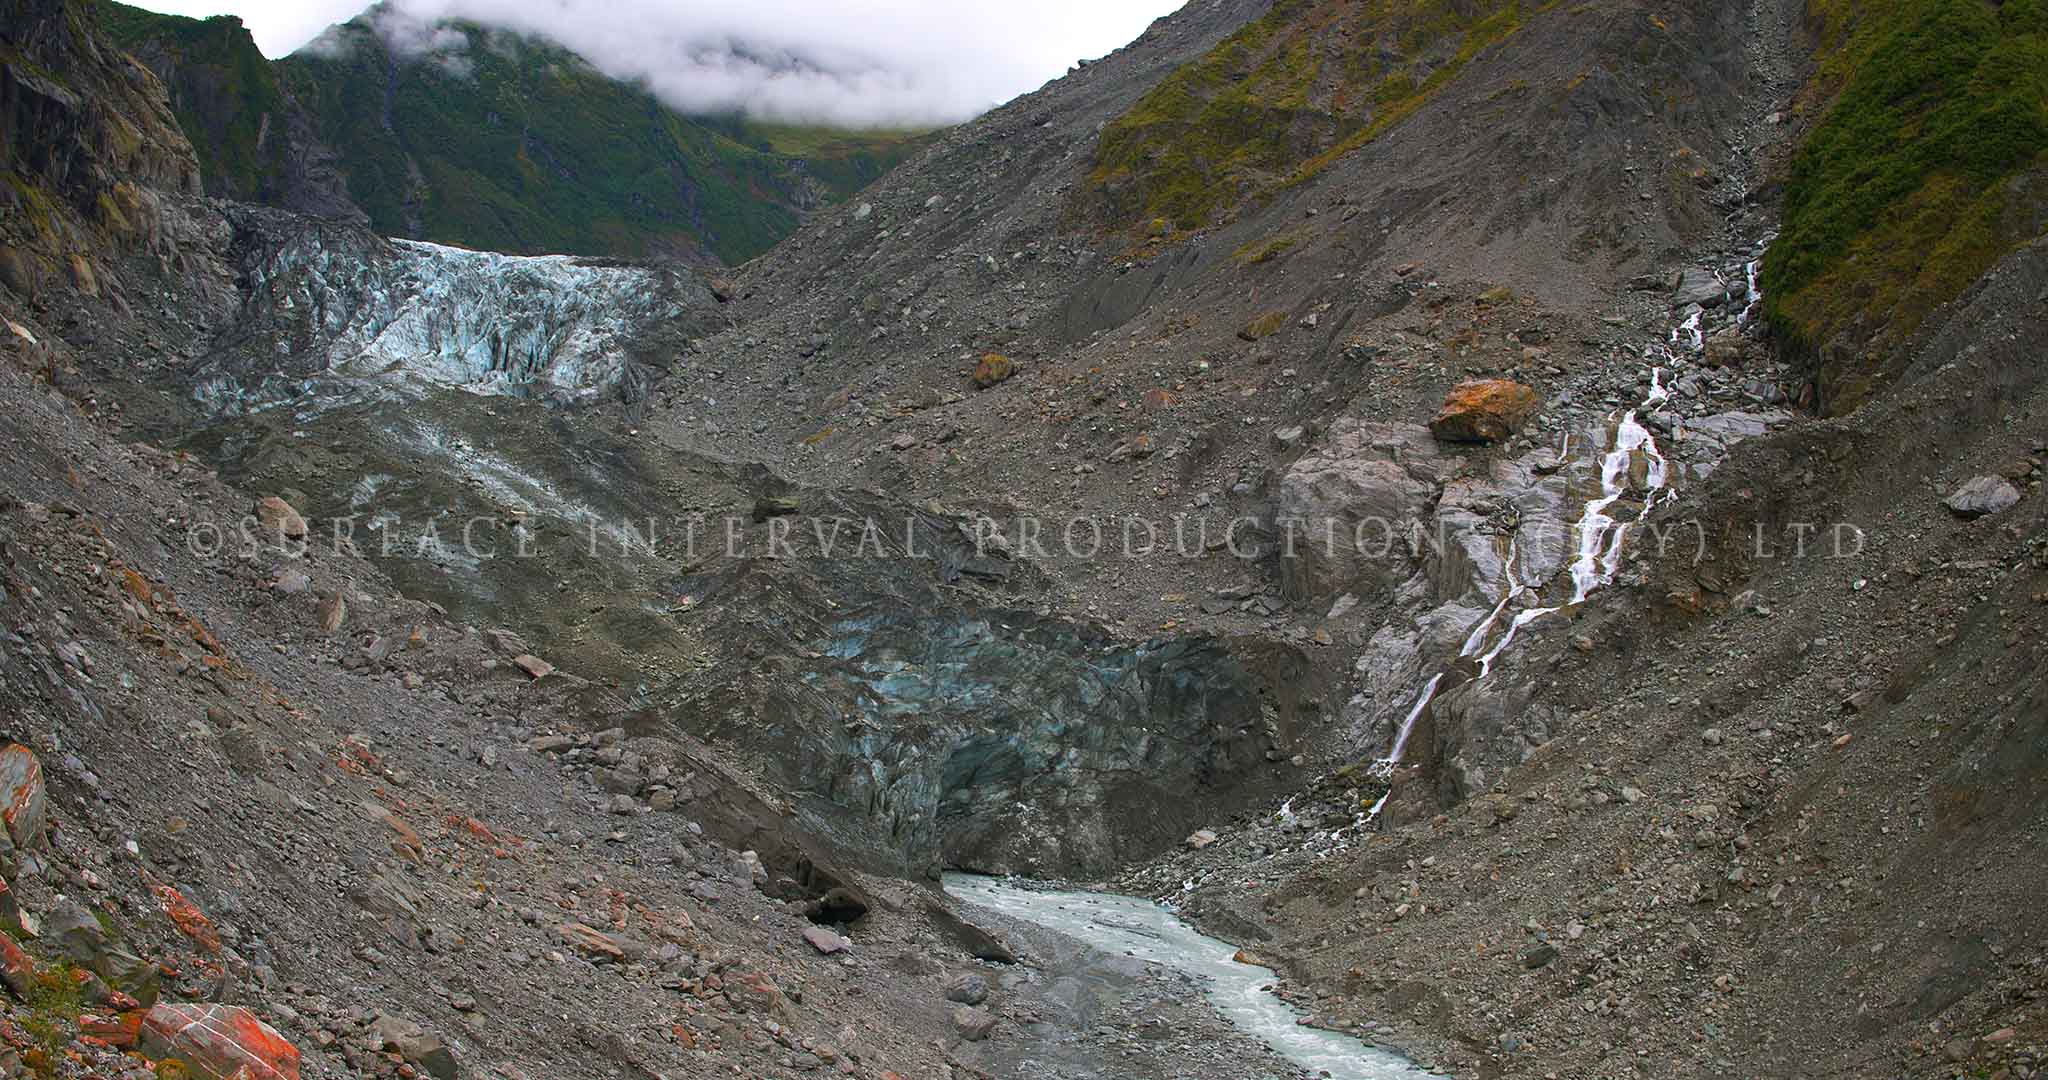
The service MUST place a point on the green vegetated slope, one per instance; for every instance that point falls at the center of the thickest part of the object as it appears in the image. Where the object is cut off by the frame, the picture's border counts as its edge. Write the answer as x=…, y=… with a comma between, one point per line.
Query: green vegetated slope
x=495, y=140
x=1281, y=98
x=222, y=90
x=1929, y=164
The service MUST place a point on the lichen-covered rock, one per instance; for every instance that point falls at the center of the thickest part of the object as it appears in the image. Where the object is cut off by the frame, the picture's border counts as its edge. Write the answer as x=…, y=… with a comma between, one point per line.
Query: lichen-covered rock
x=993, y=368
x=1484, y=411
x=23, y=803
x=218, y=1042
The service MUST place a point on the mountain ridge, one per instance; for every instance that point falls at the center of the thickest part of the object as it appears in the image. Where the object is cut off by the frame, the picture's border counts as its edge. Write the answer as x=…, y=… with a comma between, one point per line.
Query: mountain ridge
x=513, y=145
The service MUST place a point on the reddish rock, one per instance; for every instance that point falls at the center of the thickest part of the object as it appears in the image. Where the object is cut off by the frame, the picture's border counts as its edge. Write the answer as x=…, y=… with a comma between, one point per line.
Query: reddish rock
x=755, y=990
x=16, y=969
x=22, y=802
x=277, y=517
x=405, y=839
x=973, y=1024
x=533, y=665
x=1484, y=411
x=1135, y=448
x=219, y=1042
x=590, y=942
x=825, y=941
x=187, y=917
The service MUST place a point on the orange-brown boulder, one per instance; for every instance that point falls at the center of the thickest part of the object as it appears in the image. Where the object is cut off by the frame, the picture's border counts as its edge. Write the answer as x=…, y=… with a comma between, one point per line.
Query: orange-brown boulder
x=994, y=368
x=1484, y=411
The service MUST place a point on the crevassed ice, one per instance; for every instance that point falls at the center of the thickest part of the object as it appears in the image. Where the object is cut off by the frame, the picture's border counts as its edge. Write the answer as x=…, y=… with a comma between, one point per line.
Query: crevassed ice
x=416, y=312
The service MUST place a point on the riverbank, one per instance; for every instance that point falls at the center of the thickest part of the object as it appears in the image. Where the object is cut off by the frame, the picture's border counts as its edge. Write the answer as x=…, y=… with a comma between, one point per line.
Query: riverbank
x=1135, y=992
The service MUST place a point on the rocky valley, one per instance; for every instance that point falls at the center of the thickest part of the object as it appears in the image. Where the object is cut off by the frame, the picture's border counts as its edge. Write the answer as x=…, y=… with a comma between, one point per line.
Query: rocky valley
x=1508, y=536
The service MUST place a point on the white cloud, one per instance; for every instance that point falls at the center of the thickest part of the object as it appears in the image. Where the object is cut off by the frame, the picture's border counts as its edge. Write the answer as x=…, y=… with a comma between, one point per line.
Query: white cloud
x=850, y=62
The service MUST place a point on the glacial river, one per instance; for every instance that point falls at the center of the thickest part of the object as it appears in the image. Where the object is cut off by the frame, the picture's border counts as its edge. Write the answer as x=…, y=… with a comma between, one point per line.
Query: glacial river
x=1148, y=931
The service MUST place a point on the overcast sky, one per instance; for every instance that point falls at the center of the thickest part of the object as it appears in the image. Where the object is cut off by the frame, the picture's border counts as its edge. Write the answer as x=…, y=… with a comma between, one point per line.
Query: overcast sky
x=845, y=61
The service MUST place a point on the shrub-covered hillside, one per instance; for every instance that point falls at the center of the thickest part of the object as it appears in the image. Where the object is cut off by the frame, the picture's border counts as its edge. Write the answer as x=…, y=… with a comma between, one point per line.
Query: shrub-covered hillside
x=1282, y=97
x=1929, y=163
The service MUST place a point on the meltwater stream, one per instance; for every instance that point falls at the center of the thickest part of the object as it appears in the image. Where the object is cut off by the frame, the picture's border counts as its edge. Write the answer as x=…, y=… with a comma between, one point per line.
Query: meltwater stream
x=1151, y=932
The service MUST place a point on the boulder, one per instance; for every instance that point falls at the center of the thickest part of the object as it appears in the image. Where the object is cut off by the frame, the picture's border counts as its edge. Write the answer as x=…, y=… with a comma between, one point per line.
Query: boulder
x=332, y=612
x=218, y=1042
x=757, y=871
x=1484, y=411
x=17, y=971
x=1135, y=448
x=1726, y=349
x=23, y=803
x=1351, y=506
x=1201, y=838
x=16, y=273
x=973, y=1023
x=976, y=942
x=774, y=506
x=825, y=941
x=968, y=989
x=414, y=1045
x=276, y=516
x=993, y=368
x=1262, y=326
x=592, y=943
x=1982, y=495
x=1699, y=286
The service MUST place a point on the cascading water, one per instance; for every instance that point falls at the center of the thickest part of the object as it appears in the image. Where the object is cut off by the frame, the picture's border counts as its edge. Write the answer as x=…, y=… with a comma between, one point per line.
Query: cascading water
x=1599, y=535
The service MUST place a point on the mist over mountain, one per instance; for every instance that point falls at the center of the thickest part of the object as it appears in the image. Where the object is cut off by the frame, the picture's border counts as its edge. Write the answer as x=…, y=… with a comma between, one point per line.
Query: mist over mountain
x=867, y=64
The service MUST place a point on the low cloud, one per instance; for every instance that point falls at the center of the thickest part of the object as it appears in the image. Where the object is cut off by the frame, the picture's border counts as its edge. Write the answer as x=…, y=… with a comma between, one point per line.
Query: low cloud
x=856, y=63
x=404, y=33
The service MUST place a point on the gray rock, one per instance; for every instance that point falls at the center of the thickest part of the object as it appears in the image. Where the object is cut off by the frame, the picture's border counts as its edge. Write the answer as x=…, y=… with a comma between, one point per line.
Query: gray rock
x=974, y=1024
x=1982, y=495
x=1352, y=505
x=968, y=989
x=756, y=871
x=1699, y=286
x=415, y=1045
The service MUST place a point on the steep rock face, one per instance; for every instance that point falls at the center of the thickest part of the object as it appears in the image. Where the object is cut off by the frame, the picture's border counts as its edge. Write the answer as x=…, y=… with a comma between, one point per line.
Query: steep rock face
x=254, y=141
x=332, y=312
x=1355, y=507
x=489, y=139
x=88, y=150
